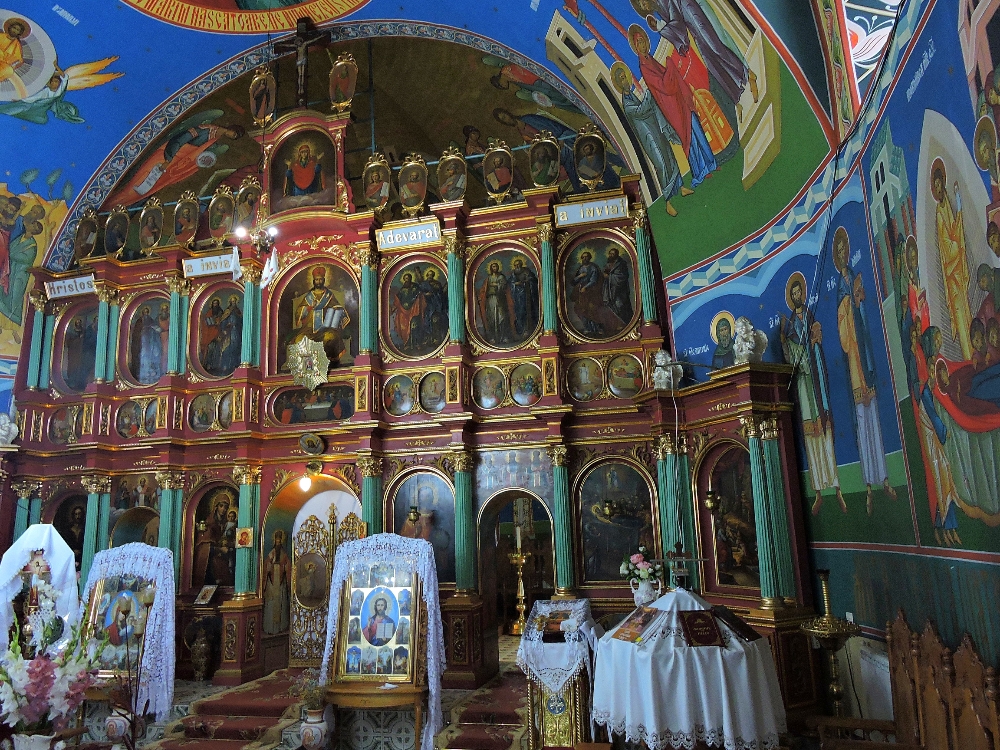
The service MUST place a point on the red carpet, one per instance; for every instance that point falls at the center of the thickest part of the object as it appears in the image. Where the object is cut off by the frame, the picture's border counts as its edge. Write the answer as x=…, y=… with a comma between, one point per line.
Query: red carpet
x=492, y=718
x=250, y=716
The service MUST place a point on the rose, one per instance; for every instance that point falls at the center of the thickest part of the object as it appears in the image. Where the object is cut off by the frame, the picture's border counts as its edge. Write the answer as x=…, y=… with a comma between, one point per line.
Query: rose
x=637, y=558
x=643, y=565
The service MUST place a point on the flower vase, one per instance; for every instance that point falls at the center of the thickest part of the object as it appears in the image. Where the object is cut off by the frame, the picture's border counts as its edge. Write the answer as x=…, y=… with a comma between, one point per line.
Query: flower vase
x=313, y=731
x=116, y=726
x=643, y=593
x=36, y=742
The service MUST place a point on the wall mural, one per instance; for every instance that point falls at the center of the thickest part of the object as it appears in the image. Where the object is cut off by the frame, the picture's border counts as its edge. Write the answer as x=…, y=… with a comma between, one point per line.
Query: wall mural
x=616, y=511
x=528, y=468
x=320, y=303
x=434, y=500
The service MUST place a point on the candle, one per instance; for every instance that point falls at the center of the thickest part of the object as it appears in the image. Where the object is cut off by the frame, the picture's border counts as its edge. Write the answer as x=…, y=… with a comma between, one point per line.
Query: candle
x=517, y=537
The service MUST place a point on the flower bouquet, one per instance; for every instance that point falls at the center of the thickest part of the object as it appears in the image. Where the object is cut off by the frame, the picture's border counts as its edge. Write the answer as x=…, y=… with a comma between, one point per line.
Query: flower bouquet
x=641, y=572
x=39, y=694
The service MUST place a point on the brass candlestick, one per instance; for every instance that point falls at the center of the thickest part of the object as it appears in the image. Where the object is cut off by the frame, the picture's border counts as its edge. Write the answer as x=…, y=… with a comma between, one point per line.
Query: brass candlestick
x=518, y=559
x=832, y=633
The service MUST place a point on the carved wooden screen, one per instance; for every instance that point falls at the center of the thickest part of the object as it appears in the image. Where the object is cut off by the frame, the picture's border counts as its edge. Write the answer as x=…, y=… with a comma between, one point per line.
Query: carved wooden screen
x=313, y=550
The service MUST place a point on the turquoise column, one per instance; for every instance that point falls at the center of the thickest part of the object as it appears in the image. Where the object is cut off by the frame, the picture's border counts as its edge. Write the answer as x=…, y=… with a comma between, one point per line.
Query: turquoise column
x=104, y=296
x=46, y=359
x=550, y=318
x=769, y=596
x=666, y=487
x=647, y=280
x=371, y=492
x=563, y=519
x=183, y=338
x=465, y=535
x=104, y=515
x=456, y=287
x=24, y=490
x=250, y=350
x=368, y=330
x=686, y=503
x=112, y=355
x=779, y=511
x=93, y=487
x=248, y=514
x=38, y=300
x=167, y=507
x=174, y=284
x=35, y=511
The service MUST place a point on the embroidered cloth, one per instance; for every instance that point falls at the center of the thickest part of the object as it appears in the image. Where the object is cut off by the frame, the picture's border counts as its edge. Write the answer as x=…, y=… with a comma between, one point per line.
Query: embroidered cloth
x=671, y=695
x=418, y=555
x=61, y=562
x=554, y=665
x=156, y=564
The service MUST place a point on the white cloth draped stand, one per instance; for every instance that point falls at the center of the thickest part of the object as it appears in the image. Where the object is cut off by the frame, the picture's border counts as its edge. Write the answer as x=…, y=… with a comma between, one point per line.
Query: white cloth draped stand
x=156, y=564
x=554, y=665
x=395, y=549
x=671, y=695
x=61, y=562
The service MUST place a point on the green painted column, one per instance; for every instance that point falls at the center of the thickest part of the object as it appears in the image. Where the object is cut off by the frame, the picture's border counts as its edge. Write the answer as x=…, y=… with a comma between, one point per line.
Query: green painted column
x=35, y=511
x=456, y=287
x=779, y=511
x=248, y=478
x=371, y=492
x=465, y=523
x=666, y=488
x=171, y=502
x=183, y=338
x=550, y=317
x=563, y=536
x=104, y=515
x=23, y=489
x=38, y=300
x=644, y=251
x=770, y=598
x=112, y=356
x=174, y=284
x=368, y=328
x=46, y=358
x=166, y=509
x=104, y=296
x=93, y=487
x=685, y=501
x=250, y=349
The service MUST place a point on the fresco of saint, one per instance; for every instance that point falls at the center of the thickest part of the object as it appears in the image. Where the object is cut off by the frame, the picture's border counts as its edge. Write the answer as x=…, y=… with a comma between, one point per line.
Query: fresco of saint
x=954, y=260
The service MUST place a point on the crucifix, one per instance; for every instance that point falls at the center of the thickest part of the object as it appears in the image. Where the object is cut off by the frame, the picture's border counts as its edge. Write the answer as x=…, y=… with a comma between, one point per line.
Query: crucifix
x=299, y=44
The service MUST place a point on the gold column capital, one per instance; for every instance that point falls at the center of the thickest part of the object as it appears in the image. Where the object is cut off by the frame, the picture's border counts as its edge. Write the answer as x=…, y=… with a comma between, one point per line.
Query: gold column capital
x=455, y=245
x=246, y=474
x=370, y=466
x=369, y=256
x=664, y=446
x=170, y=480
x=25, y=488
x=95, y=484
x=462, y=459
x=558, y=454
x=545, y=232
x=252, y=270
x=178, y=284
x=638, y=216
x=769, y=428
x=750, y=426
x=38, y=299
x=105, y=292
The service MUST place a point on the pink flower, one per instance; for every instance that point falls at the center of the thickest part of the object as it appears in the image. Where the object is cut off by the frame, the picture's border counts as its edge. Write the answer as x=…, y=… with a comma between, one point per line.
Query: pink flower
x=41, y=676
x=643, y=565
x=636, y=558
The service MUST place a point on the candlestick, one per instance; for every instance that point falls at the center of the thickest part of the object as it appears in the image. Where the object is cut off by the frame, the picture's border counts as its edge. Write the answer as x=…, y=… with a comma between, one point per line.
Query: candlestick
x=517, y=537
x=518, y=559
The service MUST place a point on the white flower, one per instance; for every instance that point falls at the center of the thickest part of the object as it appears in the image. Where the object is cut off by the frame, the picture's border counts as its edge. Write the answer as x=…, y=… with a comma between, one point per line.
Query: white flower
x=624, y=569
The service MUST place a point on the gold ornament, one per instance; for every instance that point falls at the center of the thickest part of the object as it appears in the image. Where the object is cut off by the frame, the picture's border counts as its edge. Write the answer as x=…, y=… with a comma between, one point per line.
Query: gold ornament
x=308, y=362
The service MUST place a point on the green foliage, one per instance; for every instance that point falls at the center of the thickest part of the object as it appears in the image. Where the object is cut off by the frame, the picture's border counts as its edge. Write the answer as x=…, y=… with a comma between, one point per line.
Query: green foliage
x=28, y=176
x=67, y=192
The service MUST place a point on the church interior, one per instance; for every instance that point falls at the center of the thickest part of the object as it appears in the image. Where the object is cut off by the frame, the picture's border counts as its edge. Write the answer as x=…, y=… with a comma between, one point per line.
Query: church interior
x=587, y=374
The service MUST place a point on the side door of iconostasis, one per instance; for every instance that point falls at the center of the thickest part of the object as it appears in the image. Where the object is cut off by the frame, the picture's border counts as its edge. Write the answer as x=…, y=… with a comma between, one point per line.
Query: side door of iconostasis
x=309, y=525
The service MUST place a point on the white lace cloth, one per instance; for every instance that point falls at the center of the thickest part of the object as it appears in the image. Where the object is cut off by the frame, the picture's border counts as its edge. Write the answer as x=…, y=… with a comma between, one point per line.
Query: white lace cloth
x=553, y=665
x=671, y=695
x=156, y=680
x=392, y=548
x=61, y=562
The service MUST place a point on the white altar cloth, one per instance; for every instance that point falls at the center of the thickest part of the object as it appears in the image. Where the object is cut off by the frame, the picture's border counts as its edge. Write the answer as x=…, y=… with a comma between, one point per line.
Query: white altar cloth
x=553, y=665
x=671, y=695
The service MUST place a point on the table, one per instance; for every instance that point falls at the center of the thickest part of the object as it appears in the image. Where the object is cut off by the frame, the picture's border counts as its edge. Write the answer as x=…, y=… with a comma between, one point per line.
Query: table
x=671, y=695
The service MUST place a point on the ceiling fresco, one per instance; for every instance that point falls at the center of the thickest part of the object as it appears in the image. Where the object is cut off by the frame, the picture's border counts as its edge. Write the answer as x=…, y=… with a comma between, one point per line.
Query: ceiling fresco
x=87, y=88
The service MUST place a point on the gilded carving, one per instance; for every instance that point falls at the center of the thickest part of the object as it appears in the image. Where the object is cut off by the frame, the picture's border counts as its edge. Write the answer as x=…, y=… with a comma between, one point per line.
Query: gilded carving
x=252, y=270
x=664, y=446
x=769, y=428
x=246, y=474
x=559, y=455
x=229, y=651
x=237, y=404
x=251, y=649
x=25, y=488
x=458, y=641
x=749, y=426
x=370, y=466
x=36, y=426
x=92, y=484
x=462, y=460
x=254, y=405
x=105, y=292
x=38, y=299
x=638, y=216
x=349, y=475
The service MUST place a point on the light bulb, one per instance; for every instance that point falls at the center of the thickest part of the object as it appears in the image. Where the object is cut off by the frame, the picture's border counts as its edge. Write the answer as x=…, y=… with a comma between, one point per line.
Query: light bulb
x=273, y=231
x=241, y=232
x=305, y=483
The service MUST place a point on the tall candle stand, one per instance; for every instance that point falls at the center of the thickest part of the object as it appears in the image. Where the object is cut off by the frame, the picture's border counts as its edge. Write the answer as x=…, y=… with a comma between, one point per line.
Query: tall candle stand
x=832, y=633
x=518, y=560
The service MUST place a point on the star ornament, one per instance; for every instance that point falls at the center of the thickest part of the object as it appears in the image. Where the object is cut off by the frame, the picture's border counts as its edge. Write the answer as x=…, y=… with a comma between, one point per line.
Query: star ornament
x=308, y=362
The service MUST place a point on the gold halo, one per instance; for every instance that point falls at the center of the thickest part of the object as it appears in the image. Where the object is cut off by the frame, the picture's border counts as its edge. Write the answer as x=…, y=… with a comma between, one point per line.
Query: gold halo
x=635, y=31
x=788, y=289
x=938, y=164
x=841, y=232
x=723, y=315
x=619, y=66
